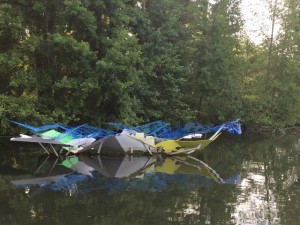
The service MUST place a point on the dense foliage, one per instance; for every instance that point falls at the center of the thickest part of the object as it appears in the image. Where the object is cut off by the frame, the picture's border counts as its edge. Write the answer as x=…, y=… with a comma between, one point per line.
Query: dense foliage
x=74, y=61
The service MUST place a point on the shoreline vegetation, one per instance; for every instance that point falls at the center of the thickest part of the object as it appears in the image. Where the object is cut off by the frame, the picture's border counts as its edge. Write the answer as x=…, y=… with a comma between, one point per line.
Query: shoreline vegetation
x=74, y=62
x=290, y=130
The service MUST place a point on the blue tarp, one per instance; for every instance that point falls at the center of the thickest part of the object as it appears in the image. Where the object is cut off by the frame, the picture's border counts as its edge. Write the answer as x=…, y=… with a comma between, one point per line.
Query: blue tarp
x=44, y=128
x=81, y=131
x=160, y=129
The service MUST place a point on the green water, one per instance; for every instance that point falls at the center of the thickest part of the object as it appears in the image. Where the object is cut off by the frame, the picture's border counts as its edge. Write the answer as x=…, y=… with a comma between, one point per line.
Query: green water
x=248, y=179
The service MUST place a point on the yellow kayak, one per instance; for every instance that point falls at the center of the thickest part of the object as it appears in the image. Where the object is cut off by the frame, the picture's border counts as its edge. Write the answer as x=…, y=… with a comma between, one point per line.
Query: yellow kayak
x=182, y=145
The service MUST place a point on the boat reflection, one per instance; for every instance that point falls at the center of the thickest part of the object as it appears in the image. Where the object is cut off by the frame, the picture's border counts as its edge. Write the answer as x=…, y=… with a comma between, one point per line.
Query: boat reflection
x=119, y=167
x=187, y=165
x=76, y=174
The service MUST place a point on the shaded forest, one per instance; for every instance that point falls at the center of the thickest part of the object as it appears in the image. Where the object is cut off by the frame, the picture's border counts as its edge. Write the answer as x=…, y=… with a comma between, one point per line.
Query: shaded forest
x=93, y=61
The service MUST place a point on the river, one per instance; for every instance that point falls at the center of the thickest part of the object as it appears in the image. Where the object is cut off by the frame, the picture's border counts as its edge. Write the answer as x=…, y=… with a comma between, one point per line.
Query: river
x=247, y=179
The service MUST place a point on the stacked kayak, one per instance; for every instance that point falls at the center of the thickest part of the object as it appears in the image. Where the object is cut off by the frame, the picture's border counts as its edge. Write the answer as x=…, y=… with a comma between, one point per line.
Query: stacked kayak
x=155, y=137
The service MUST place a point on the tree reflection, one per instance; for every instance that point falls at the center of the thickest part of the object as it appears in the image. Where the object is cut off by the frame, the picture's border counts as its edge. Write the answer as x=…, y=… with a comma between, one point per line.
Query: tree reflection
x=269, y=167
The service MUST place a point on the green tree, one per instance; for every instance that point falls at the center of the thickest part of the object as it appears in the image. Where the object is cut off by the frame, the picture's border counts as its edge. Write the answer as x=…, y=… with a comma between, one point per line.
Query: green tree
x=213, y=85
x=16, y=101
x=163, y=36
x=117, y=68
x=284, y=90
x=70, y=60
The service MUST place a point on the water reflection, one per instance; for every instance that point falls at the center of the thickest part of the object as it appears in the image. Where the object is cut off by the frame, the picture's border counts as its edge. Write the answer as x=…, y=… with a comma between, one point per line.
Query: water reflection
x=118, y=167
x=83, y=174
x=257, y=198
x=253, y=180
x=269, y=176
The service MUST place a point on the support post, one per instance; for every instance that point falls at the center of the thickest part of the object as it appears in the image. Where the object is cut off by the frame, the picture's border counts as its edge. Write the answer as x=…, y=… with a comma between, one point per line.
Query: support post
x=54, y=150
x=44, y=148
x=215, y=134
x=100, y=147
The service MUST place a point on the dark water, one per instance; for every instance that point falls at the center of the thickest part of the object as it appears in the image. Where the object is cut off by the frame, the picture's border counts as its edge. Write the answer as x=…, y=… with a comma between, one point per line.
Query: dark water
x=236, y=180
